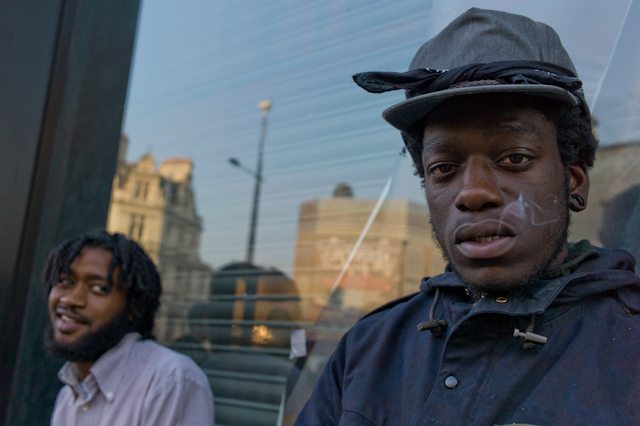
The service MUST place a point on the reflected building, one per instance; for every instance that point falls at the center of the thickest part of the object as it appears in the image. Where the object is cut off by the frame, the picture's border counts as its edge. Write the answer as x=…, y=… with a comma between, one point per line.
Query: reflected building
x=395, y=255
x=612, y=217
x=156, y=208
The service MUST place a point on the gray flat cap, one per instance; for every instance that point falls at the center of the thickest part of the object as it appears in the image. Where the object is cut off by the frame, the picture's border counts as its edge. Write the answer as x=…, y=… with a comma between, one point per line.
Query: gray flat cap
x=481, y=36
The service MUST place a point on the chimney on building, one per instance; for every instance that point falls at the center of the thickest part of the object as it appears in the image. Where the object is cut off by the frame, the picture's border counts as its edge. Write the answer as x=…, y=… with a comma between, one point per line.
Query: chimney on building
x=343, y=190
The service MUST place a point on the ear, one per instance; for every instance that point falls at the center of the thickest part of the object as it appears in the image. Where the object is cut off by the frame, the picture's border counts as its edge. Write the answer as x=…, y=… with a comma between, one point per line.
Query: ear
x=578, y=187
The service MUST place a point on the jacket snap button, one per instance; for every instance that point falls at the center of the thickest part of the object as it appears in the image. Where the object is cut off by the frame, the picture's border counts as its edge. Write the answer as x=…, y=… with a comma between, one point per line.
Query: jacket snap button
x=451, y=382
x=501, y=299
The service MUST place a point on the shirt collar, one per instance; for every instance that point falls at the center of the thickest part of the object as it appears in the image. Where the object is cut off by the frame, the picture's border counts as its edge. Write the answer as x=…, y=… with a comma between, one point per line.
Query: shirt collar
x=68, y=375
x=109, y=368
x=107, y=371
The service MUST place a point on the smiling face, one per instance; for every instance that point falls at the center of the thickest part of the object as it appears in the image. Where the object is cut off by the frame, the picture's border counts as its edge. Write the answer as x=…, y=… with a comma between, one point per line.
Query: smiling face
x=81, y=305
x=497, y=191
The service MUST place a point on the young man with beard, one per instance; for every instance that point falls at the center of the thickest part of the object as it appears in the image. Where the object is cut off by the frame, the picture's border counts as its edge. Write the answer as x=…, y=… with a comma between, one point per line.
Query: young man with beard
x=104, y=292
x=522, y=327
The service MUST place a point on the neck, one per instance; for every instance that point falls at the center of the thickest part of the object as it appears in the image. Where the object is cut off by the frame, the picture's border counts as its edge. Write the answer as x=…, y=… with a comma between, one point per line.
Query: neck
x=83, y=368
x=560, y=258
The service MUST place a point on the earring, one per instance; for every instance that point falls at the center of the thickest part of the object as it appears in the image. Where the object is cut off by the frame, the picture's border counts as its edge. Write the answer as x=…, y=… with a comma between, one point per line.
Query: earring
x=578, y=201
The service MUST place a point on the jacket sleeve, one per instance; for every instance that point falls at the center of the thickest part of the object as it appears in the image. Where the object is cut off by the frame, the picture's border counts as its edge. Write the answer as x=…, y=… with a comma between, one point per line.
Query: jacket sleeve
x=325, y=404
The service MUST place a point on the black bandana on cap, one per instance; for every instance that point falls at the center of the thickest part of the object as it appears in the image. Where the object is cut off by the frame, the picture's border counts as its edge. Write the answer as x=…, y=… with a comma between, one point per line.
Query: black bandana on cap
x=424, y=80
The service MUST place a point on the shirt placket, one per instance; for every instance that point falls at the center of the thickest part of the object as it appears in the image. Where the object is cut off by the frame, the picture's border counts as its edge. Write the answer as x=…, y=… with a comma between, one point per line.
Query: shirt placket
x=88, y=408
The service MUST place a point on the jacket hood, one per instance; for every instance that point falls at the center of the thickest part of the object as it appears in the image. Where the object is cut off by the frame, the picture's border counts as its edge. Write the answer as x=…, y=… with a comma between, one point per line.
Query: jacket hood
x=612, y=270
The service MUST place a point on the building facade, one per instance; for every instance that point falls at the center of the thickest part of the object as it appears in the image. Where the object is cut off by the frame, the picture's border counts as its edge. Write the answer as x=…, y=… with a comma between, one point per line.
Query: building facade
x=395, y=254
x=155, y=206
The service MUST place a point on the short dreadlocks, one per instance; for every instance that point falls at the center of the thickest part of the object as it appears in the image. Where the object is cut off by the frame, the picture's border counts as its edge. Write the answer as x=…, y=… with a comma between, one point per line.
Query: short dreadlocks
x=138, y=274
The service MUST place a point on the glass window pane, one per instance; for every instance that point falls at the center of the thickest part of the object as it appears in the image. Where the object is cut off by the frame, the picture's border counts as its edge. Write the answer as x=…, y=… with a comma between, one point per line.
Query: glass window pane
x=341, y=224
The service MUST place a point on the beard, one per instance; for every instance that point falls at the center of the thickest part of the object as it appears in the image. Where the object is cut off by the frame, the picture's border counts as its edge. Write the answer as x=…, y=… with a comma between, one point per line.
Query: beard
x=91, y=346
x=557, y=240
x=522, y=283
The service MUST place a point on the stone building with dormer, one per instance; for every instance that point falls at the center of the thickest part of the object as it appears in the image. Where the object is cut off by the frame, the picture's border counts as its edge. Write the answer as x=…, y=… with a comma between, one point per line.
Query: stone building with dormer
x=155, y=206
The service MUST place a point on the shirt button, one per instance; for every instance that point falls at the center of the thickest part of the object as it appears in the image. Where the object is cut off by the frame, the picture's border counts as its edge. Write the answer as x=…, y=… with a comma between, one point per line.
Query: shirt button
x=85, y=407
x=109, y=396
x=451, y=382
x=501, y=299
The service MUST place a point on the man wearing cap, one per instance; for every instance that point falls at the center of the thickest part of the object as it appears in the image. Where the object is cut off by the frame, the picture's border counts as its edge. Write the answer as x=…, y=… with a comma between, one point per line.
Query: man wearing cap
x=522, y=327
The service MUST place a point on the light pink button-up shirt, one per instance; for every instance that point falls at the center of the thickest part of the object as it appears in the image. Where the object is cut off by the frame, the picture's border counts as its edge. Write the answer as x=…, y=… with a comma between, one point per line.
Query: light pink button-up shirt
x=137, y=382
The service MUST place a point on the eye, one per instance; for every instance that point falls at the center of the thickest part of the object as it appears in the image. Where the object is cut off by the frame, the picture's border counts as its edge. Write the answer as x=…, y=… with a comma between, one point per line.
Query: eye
x=515, y=159
x=64, y=281
x=442, y=169
x=99, y=289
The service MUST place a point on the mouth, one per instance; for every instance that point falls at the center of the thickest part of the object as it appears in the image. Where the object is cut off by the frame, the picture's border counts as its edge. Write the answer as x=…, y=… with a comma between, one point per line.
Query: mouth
x=487, y=239
x=67, y=321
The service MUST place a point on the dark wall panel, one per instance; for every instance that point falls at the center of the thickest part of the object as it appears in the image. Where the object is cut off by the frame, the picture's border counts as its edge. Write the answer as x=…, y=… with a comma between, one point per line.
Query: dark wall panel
x=71, y=182
x=28, y=34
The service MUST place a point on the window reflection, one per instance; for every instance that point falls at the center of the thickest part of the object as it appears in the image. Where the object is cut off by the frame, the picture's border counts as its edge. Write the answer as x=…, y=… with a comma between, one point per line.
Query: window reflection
x=612, y=220
x=331, y=244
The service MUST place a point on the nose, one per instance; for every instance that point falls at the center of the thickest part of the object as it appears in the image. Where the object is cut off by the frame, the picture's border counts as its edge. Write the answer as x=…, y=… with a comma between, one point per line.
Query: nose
x=76, y=296
x=479, y=188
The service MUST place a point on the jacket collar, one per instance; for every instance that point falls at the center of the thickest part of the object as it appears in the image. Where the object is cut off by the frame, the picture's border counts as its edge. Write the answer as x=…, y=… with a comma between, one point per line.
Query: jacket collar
x=578, y=253
x=583, y=262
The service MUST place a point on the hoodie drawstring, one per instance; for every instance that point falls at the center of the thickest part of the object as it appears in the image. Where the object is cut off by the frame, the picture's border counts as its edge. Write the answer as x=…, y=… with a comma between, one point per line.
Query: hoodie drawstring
x=436, y=327
x=531, y=339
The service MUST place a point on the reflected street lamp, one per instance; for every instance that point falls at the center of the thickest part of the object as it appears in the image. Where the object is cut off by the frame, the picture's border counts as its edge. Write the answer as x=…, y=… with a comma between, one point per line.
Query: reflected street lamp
x=265, y=106
x=236, y=163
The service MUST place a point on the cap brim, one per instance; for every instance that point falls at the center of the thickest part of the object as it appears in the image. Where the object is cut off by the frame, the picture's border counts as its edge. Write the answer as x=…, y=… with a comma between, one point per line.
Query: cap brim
x=404, y=115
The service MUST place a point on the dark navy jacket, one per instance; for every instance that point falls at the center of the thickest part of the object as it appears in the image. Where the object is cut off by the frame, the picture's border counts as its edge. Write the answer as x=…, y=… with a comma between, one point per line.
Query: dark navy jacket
x=386, y=372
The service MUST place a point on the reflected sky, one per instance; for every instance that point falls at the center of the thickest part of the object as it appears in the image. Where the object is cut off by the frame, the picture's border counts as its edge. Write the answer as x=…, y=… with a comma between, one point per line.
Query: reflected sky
x=201, y=67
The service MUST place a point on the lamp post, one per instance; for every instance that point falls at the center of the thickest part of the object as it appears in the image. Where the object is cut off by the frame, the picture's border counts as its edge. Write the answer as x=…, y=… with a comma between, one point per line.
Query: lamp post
x=265, y=106
x=236, y=163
